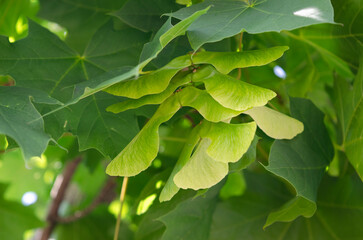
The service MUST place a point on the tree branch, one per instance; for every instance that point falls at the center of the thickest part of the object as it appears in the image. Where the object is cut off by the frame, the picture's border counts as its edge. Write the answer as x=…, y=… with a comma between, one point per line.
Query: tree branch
x=103, y=196
x=65, y=179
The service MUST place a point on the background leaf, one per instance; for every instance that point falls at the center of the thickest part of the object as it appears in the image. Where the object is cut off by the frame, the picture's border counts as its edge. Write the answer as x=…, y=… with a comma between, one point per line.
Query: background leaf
x=243, y=217
x=20, y=120
x=81, y=18
x=145, y=15
x=303, y=160
x=191, y=219
x=58, y=68
x=15, y=218
x=349, y=105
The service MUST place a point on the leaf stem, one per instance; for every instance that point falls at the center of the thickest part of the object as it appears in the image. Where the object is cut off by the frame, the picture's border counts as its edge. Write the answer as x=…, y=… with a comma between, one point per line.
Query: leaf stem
x=122, y=198
x=262, y=152
x=240, y=50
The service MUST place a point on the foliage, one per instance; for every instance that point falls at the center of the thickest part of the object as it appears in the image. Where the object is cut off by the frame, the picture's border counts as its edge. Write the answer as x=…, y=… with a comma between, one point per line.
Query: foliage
x=181, y=97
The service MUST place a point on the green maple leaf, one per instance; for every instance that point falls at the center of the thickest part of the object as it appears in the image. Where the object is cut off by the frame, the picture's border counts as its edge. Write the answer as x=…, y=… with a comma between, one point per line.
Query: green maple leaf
x=145, y=15
x=17, y=114
x=302, y=161
x=228, y=18
x=81, y=18
x=349, y=106
x=338, y=214
x=55, y=68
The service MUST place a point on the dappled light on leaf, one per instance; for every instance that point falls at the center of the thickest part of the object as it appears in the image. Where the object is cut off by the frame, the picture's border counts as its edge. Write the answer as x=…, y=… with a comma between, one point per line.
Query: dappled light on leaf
x=313, y=13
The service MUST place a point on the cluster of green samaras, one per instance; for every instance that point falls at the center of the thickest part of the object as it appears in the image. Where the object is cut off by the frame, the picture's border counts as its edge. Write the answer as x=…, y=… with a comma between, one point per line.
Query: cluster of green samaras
x=200, y=81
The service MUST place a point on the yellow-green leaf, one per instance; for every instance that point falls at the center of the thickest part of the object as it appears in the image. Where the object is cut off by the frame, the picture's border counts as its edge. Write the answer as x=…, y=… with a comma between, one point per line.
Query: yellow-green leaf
x=225, y=62
x=142, y=150
x=205, y=104
x=221, y=143
x=201, y=171
x=230, y=92
x=152, y=83
x=275, y=124
x=165, y=35
x=170, y=189
x=228, y=141
x=151, y=99
x=3, y=142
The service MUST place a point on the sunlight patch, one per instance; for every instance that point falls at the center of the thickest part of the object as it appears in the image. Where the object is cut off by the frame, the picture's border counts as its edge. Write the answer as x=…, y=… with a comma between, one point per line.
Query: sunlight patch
x=29, y=198
x=279, y=72
x=145, y=204
x=313, y=13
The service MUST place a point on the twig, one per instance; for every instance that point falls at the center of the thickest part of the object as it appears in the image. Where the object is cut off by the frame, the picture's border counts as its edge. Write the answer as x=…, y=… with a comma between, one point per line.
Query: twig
x=190, y=119
x=122, y=198
x=246, y=74
x=103, y=196
x=53, y=211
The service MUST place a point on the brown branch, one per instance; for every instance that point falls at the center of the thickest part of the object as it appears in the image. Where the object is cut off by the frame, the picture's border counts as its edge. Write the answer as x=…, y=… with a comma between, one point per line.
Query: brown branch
x=190, y=119
x=53, y=211
x=107, y=194
x=246, y=75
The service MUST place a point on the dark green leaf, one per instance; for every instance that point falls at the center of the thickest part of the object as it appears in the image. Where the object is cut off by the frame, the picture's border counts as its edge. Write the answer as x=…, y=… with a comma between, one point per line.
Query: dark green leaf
x=349, y=105
x=338, y=216
x=302, y=161
x=227, y=18
x=149, y=227
x=81, y=18
x=145, y=15
x=166, y=34
x=20, y=120
x=191, y=219
x=56, y=69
